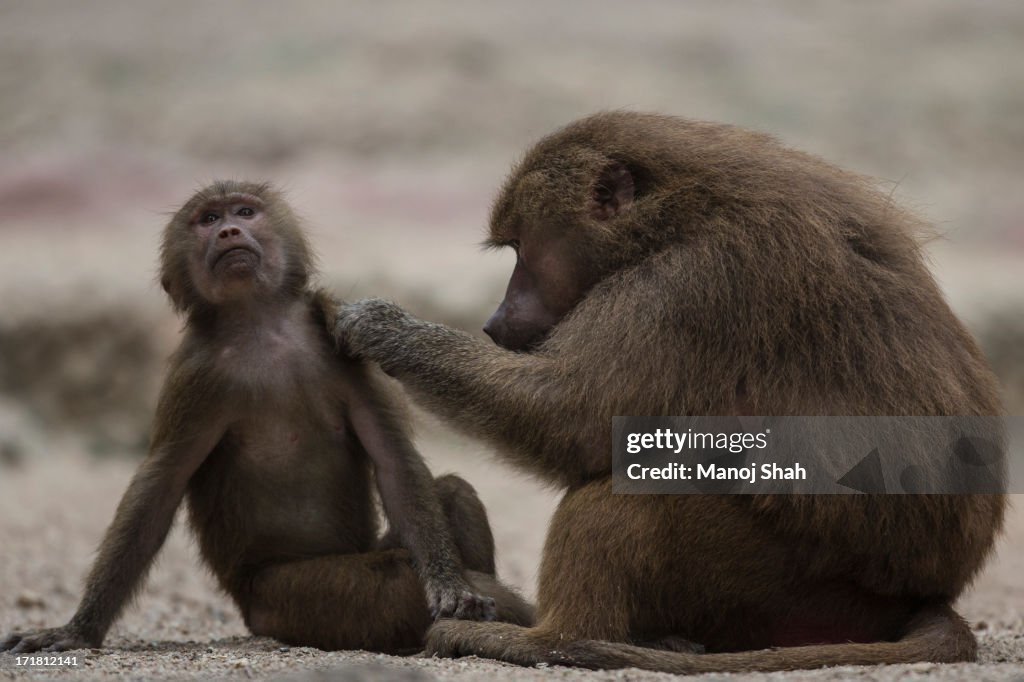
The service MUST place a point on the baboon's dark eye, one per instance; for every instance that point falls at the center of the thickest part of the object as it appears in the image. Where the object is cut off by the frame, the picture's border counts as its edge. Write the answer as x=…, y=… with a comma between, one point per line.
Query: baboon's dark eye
x=210, y=218
x=602, y=194
x=246, y=212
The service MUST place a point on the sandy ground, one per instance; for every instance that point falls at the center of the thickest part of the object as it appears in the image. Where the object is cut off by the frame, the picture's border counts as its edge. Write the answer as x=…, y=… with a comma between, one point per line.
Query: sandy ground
x=54, y=511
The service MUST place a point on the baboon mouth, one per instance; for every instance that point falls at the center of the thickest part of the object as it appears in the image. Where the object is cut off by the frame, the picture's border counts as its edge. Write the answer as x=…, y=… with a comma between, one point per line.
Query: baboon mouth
x=237, y=254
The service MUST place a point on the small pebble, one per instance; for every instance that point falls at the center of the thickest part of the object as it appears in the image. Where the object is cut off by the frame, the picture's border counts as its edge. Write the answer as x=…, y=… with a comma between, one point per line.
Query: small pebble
x=28, y=599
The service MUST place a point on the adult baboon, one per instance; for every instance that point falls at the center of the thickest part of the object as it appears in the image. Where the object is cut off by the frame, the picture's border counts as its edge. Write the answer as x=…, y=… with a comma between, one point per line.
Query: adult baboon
x=672, y=267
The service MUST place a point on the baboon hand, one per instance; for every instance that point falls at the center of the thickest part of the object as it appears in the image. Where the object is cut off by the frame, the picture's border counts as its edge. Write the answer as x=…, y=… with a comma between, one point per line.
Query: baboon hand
x=63, y=638
x=456, y=599
x=362, y=329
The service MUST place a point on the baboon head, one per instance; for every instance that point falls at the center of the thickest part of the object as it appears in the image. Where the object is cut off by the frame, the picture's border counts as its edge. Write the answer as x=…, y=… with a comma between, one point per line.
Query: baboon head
x=232, y=241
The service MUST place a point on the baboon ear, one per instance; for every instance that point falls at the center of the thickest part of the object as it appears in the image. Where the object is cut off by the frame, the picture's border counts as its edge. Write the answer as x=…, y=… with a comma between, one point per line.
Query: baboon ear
x=613, y=192
x=174, y=292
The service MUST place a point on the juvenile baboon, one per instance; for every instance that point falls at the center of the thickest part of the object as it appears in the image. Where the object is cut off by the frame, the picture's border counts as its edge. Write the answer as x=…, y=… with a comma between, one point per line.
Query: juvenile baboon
x=671, y=267
x=275, y=440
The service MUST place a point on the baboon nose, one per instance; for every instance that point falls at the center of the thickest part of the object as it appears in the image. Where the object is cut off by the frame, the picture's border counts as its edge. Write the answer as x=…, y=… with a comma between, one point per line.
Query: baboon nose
x=229, y=232
x=495, y=326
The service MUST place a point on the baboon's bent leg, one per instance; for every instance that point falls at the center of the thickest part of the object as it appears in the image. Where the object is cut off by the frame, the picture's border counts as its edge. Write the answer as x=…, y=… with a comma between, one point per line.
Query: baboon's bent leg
x=371, y=601
x=593, y=608
x=467, y=519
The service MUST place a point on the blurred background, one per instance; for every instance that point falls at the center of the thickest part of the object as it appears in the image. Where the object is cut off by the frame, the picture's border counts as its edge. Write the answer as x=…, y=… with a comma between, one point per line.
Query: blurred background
x=391, y=125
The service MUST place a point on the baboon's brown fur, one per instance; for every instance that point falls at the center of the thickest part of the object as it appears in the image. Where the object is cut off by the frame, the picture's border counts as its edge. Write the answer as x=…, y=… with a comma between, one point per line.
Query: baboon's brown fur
x=672, y=267
x=276, y=442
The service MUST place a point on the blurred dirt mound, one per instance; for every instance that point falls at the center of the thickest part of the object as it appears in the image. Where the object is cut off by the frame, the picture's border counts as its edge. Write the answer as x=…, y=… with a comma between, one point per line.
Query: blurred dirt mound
x=92, y=372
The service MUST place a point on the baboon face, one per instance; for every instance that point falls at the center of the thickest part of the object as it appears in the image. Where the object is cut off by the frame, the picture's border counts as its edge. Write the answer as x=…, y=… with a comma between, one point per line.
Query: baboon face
x=544, y=287
x=557, y=253
x=231, y=241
